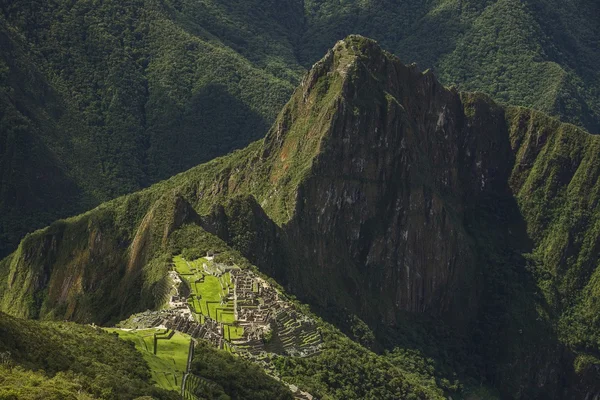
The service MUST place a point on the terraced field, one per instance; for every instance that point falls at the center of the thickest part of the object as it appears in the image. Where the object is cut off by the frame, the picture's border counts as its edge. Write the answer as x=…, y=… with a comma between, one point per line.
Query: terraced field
x=230, y=309
x=242, y=313
x=210, y=296
x=296, y=336
x=169, y=363
x=233, y=332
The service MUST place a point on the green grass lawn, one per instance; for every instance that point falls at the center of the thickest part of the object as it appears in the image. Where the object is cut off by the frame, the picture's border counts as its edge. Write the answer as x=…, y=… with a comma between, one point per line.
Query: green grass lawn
x=210, y=289
x=225, y=315
x=211, y=292
x=185, y=267
x=226, y=280
x=233, y=332
x=206, y=295
x=212, y=309
x=169, y=363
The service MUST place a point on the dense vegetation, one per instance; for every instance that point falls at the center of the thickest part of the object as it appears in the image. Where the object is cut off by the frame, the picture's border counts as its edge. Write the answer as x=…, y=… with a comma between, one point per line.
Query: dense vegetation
x=59, y=360
x=534, y=233
x=538, y=53
x=99, y=99
x=559, y=198
x=343, y=370
x=227, y=377
x=346, y=370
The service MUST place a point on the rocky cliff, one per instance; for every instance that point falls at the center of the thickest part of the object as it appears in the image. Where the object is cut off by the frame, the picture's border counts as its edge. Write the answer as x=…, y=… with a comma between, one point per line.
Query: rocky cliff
x=377, y=193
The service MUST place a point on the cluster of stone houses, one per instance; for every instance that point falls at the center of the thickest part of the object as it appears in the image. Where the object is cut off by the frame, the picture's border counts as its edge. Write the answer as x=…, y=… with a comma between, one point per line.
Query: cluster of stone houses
x=258, y=309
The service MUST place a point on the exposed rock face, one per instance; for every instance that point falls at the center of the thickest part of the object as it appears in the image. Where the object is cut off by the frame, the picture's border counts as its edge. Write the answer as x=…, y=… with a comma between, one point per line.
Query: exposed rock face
x=413, y=202
x=382, y=215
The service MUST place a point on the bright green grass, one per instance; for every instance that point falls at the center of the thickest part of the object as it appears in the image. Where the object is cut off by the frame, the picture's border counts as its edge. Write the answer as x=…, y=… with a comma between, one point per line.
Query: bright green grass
x=181, y=265
x=185, y=267
x=225, y=315
x=210, y=290
x=212, y=310
x=227, y=347
x=226, y=281
x=206, y=295
x=198, y=305
x=234, y=332
x=170, y=361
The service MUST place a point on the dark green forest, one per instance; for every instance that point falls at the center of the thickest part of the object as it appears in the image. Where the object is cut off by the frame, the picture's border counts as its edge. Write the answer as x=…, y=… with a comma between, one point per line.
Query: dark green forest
x=101, y=98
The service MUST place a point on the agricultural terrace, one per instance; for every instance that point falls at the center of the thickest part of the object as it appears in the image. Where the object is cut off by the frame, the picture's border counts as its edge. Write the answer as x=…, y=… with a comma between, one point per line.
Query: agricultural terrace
x=169, y=363
x=237, y=311
x=211, y=292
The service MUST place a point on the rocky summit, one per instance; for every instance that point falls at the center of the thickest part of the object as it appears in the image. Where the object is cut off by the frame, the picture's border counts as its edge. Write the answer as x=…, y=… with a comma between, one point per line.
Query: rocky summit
x=410, y=215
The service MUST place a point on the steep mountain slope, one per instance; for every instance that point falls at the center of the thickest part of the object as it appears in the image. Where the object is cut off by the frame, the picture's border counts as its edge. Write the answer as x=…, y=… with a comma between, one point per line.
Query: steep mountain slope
x=234, y=377
x=377, y=193
x=57, y=360
x=101, y=99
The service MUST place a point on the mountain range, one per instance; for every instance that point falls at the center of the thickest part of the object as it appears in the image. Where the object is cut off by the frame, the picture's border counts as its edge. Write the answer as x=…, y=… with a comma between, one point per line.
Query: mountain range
x=436, y=234
x=99, y=99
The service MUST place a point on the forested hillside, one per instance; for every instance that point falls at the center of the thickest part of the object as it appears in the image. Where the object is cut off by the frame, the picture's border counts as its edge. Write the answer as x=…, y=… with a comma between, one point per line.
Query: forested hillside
x=60, y=360
x=55, y=360
x=459, y=234
x=102, y=98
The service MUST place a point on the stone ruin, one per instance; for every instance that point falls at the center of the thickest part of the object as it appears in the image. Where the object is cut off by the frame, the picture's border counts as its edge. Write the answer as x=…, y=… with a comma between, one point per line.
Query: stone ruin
x=258, y=308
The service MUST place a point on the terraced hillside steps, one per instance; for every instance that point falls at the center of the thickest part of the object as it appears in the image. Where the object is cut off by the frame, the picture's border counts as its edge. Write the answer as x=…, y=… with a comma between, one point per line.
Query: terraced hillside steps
x=165, y=351
x=244, y=338
x=186, y=375
x=248, y=315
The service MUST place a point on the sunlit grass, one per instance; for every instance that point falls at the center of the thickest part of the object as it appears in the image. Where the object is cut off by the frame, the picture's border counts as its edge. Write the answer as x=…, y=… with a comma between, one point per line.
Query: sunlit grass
x=169, y=363
x=207, y=291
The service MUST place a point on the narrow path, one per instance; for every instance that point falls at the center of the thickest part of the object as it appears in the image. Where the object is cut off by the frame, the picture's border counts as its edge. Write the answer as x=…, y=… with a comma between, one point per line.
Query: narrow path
x=235, y=299
x=188, y=367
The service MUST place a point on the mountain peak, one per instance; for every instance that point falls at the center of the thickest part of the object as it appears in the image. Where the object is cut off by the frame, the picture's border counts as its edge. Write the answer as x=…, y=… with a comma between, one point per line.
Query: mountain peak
x=347, y=56
x=357, y=47
x=349, y=93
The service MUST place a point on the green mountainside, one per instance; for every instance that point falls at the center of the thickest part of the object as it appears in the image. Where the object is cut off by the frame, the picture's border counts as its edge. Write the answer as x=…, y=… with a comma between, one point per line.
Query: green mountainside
x=60, y=360
x=99, y=99
x=462, y=232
